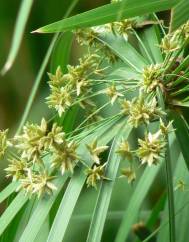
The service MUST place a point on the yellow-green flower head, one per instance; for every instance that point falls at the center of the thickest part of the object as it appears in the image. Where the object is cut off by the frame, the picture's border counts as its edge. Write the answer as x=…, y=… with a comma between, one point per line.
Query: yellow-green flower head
x=29, y=142
x=3, y=142
x=170, y=43
x=17, y=169
x=59, y=79
x=124, y=150
x=96, y=150
x=65, y=156
x=59, y=99
x=151, y=78
x=95, y=174
x=37, y=183
x=54, y=137
x=152, y=148
x=143, y=111
x=113, y=94
x=129, y=174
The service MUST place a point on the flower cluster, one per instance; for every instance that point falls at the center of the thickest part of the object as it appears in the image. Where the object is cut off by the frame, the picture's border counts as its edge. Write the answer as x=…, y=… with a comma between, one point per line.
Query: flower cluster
x=151, y=78
x=66, y=88
x=97, y=171
x=32, y=146
x=141, y=110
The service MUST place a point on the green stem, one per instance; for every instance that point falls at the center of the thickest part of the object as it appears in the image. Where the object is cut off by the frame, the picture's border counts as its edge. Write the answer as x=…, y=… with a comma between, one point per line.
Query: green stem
x=169, y=178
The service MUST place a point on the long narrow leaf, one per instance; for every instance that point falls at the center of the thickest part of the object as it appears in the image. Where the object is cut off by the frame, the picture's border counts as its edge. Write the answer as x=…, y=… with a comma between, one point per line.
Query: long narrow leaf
x=8, y=191
x=109, y=13
x=12, y=210
x=105, y=191
x=179, y=14
x=18, y=33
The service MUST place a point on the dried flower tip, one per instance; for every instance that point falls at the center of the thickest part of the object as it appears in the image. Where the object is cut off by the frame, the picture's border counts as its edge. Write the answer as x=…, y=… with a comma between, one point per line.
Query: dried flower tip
x=151, y=148
x=113, y=94
x=124, y=150
x=95, y=151
x=65, y=157
x=129, y=174
x=94, y=175
x=3, y=142
x=16, y=169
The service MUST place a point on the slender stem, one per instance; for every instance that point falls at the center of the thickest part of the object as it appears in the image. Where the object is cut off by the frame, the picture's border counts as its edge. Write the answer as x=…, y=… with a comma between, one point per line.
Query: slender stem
x=169, y=178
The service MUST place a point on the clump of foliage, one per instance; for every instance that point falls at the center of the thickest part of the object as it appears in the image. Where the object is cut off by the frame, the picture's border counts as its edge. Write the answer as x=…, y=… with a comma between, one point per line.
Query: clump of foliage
x=145, y=81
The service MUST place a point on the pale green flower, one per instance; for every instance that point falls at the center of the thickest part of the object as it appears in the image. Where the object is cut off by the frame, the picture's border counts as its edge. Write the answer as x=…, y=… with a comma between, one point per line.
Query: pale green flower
x=65, y=156
x=95, y=174
x=152, y=148
x=151, y=78
x=129, y=174
x=29, y=142
x=96, y=150
x=59, y=99
x=54, y=137
x=124, y=150
x=113, y=94
x=16, y=169
x=37, y=183
x=143, y=111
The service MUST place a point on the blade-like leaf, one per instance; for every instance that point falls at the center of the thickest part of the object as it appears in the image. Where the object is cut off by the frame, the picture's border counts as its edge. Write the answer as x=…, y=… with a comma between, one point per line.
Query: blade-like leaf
x=18, y=33
x=135, y=202
x=61, y=52
x=76, y=184
x=12, y=210
x=125, y=51
x=8, y=191
x=109, y=13
x=41, y=212
x=182, y=134
x=105, y=191
x=179, y=14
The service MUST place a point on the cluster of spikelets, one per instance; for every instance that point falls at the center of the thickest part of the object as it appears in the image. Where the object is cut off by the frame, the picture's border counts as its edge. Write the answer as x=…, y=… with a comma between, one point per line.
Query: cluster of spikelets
x=74, y=86
x=28, y=150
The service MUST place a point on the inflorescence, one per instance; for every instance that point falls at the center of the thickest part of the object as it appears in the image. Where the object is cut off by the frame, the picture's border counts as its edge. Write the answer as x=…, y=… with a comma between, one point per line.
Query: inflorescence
x=28, y=152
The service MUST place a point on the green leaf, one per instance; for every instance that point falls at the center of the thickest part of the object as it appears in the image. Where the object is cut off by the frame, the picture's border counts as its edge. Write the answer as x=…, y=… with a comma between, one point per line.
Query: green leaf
x=21, y=21
x=108, y=13
x=135, y=202
x=8, y=191
x=76, y=183
x=106, y=187
x=182, y=134
x=179, y=14
x=12, y=210
x=124, y=50
x=61, y=52
x=41, y=212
